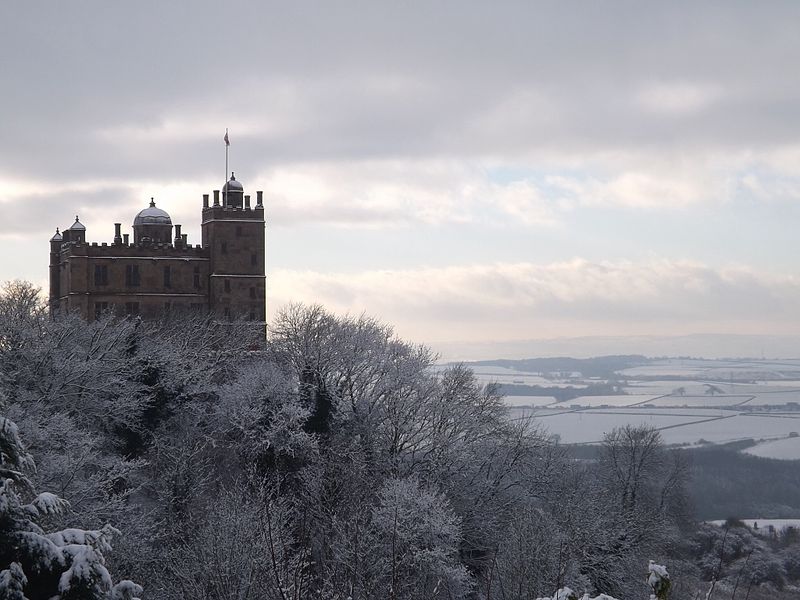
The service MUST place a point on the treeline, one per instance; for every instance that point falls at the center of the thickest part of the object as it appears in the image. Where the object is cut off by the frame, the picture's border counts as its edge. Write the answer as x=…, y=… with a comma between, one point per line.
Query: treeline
x=561, y=394
x=604, y=367
x=329, y=462
x=727, y=483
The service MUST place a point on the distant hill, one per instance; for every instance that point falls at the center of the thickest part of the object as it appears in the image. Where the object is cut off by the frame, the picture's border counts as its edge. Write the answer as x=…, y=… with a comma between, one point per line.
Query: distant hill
x=699, y=345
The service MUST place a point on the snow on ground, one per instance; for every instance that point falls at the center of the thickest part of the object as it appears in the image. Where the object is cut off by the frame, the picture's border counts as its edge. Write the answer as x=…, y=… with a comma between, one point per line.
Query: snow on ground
x=785, y=449
x=680, y=426
x=723, y=370
x=763, y=525
x=705, y=400
x=777, y=397
x=663, y=388
x=576, y=427
x=529, y=400
x=663, y=370
x=526, y=380
x=671, y=411
x=740, y=427
x=611, y=401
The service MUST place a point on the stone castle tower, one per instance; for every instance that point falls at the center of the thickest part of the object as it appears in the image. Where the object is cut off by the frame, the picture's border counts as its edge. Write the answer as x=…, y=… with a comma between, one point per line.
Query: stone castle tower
x=159, y=272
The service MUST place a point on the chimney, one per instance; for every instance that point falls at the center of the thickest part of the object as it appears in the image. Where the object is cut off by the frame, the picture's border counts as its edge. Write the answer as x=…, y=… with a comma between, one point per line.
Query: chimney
x=216, y=197
x=259, y=198
x=117, y=234
x=185, y=240
x=205, y=200
x=177, y=235
x=247, y=201
x=125, y=238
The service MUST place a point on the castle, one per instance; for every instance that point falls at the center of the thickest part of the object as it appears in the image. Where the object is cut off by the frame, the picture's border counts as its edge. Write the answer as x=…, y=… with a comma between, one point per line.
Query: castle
x=157, y=272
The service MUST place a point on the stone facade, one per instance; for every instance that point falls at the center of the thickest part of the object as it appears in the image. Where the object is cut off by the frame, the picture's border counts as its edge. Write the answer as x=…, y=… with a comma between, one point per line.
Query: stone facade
x=157, y=273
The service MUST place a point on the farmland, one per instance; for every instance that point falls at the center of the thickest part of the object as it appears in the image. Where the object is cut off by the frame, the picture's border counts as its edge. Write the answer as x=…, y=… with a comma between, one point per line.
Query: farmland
x=692, y=402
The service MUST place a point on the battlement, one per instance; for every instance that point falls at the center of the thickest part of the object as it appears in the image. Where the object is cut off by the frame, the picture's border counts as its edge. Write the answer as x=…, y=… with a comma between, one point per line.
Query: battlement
x=232, y=213
x=133, y=250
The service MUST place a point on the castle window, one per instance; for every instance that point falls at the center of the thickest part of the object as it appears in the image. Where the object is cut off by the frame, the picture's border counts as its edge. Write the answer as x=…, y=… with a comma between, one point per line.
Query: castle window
x=197, y=278
x=227, y=313
x=252, y=316
x=224, y=247
x=101, y=275
x=99, y=309
x=227, y=285
x=132, y=276
x=253, y=260
x=252, y=292
x=167, y=277
x=131, y=308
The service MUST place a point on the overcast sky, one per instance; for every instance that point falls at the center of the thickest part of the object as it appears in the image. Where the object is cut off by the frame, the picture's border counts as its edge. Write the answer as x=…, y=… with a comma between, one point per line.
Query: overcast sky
x=469, y=172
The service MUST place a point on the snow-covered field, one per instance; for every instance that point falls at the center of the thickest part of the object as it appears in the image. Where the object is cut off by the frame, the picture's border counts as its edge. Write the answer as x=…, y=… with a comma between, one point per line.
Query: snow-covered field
x=662, y=388
x=527, y=380
x=584, y=426
x=679, y=426
x=677, y=403
x=720, y=370
x=739, y=427
x=784, y=449
x=775, y=398
x=700, y=401
x=529, y=400
x=610, y=401
x=763, y=525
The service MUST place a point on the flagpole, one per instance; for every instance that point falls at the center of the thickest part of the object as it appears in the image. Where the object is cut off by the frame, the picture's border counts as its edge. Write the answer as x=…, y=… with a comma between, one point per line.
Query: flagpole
x=227, y=146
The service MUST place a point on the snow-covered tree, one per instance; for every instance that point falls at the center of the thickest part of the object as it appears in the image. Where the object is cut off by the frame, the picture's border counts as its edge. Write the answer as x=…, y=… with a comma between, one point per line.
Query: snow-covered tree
x=63, y=565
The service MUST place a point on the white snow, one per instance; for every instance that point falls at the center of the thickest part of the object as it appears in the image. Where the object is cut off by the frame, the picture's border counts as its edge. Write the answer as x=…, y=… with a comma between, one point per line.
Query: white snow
x=784, y=449
x=529, y=400
x=763, y=524
x=611, y=401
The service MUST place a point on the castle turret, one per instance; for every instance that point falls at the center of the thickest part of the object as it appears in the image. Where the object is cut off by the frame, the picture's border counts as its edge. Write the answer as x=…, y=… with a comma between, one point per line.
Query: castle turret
x=76, y=232
x=55, y=270
x=233, y=232
x=233, y=193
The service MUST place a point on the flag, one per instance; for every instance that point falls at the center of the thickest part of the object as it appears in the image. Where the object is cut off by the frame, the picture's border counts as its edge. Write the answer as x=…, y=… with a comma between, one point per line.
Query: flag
x=227, y=141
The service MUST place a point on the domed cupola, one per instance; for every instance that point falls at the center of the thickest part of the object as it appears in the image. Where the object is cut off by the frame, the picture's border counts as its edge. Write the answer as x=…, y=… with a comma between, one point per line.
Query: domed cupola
x=233, y=193
x=152, y=225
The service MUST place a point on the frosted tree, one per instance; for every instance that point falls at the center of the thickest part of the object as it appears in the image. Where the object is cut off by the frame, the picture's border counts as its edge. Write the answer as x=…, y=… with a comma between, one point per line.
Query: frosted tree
x=418, y=539
x=62, y=565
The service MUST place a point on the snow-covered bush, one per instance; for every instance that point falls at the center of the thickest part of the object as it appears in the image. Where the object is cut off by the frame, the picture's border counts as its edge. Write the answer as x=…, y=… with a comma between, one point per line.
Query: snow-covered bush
x=658, y=580
x=62, y=565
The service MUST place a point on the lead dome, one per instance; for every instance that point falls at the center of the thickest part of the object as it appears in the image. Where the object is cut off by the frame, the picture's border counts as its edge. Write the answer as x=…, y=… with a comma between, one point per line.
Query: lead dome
x=152, y=216
x=233, y=185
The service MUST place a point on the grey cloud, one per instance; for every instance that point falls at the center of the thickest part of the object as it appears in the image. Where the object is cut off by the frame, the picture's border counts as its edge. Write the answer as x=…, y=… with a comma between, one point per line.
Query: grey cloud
x=525, y=300
x=40, y=213
x=383, y=80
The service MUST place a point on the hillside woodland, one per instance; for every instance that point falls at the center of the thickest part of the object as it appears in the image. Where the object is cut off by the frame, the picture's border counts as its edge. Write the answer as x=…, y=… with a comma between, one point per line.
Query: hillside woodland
x=189, y=458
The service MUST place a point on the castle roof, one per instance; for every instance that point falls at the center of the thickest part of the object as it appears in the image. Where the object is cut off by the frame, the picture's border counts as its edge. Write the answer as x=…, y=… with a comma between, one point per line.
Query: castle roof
x=152, y=216
x=57, y=237
x=77, y=225
x=232, y=185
